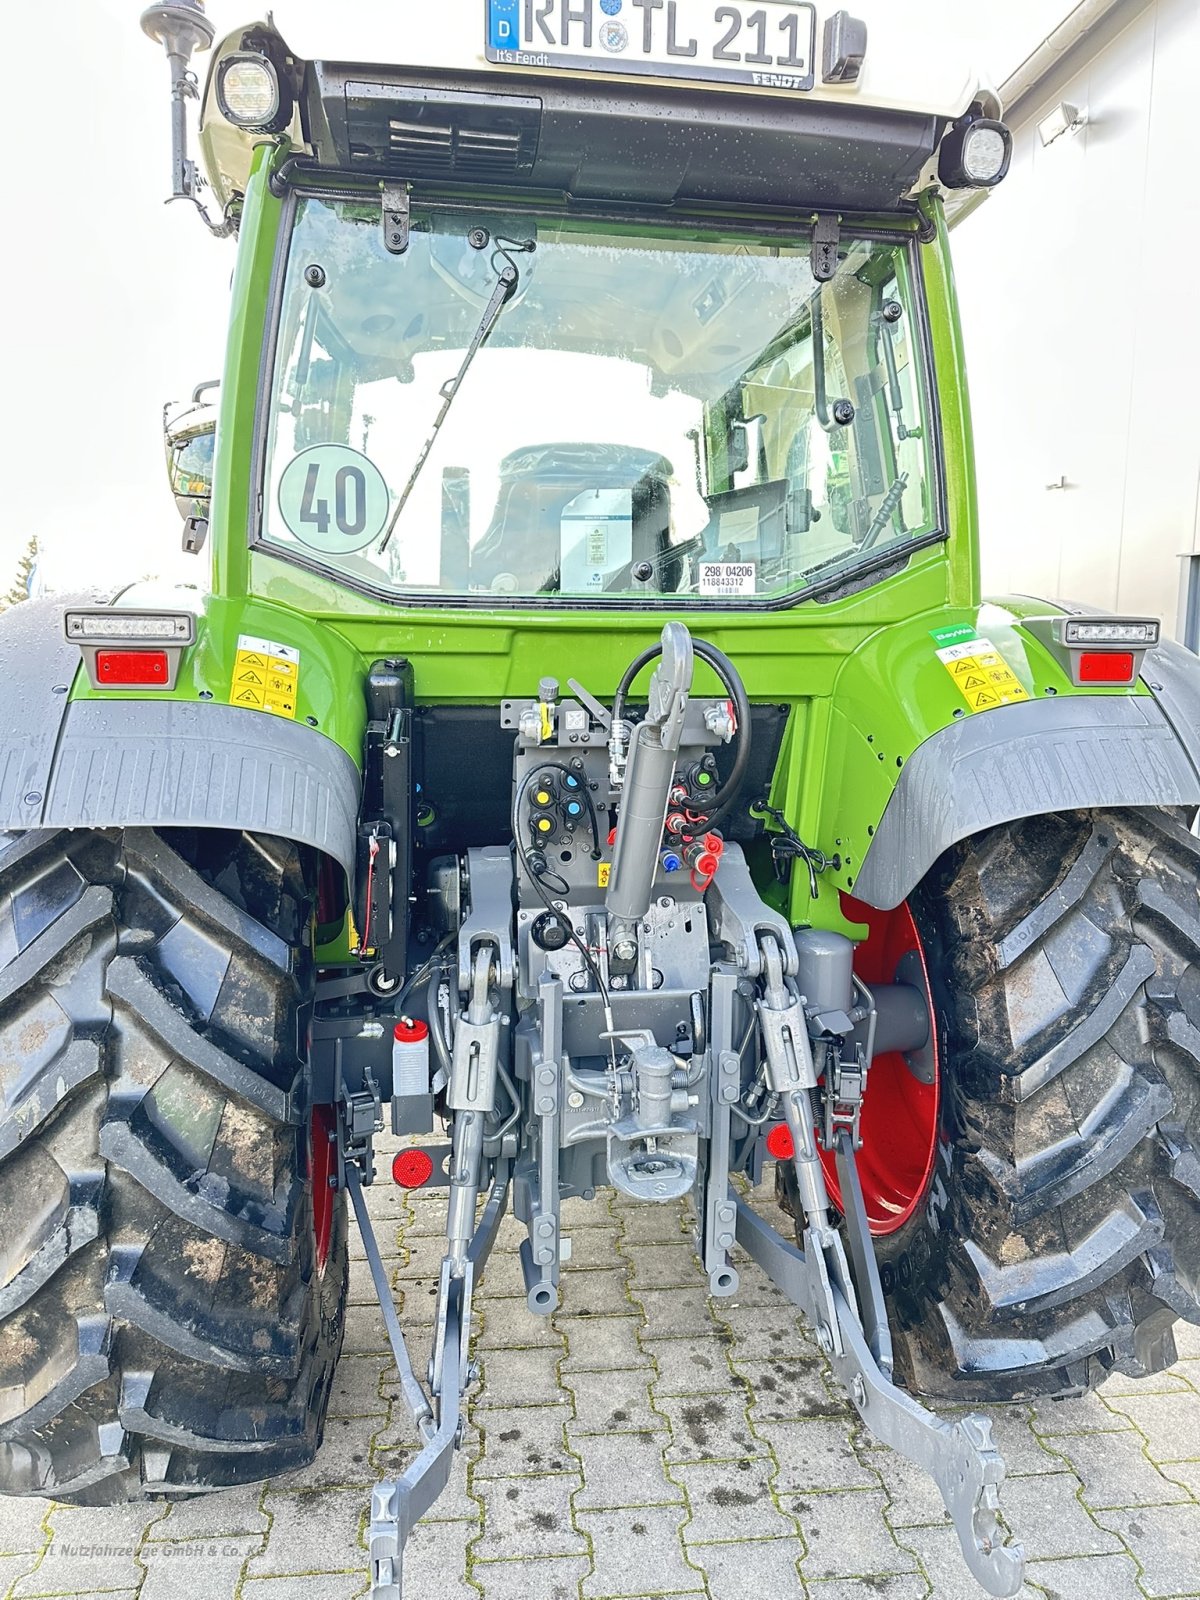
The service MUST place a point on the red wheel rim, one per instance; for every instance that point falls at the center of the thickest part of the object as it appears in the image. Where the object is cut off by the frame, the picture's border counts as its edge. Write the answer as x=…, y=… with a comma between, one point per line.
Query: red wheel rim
x=321, y=1165
x=900, y=1113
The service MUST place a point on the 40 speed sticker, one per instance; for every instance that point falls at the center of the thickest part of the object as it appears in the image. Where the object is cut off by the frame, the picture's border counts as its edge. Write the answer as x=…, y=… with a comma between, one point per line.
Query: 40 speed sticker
x=983, y=677
x=266, y=676
x=333, y=499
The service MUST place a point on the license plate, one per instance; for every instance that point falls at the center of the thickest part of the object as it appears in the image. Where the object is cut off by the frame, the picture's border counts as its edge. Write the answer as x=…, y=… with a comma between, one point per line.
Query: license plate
x=768, y=43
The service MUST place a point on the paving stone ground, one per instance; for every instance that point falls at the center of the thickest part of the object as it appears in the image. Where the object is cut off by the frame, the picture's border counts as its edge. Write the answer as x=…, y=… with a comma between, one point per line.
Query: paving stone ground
x=646, y=1441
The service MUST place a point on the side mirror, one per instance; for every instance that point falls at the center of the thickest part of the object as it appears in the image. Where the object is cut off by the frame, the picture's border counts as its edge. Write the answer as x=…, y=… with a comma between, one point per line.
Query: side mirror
x=189, y=435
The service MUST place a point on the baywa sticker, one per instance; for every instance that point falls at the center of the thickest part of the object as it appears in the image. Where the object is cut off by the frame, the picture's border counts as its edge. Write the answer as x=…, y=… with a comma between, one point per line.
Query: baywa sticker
x=333, y=499
x=266, y=676
x=981, y=674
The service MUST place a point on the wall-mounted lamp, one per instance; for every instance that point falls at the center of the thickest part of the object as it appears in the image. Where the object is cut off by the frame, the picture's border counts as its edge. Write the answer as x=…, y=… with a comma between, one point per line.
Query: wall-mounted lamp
x=1065, y=118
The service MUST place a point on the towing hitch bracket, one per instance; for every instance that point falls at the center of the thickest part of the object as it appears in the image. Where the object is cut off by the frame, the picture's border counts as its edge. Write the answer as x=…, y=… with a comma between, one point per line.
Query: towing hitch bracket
x=960, y=1457
x=397, y=1504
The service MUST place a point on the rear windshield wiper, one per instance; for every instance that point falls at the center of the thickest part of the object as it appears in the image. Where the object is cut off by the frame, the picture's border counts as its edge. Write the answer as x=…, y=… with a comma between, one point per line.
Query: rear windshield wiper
x=507, y=280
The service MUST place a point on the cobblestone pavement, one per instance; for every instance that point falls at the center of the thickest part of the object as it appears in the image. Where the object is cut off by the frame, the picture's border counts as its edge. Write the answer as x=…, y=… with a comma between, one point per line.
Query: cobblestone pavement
x=646, y=1441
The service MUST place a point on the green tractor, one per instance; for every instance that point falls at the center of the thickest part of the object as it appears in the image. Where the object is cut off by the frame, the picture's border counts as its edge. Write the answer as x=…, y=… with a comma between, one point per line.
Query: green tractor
x=592, y=759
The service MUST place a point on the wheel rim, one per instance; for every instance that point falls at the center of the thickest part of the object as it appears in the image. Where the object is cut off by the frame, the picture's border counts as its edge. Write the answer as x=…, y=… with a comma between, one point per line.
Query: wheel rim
x=900, y=1113
x=321, y=1165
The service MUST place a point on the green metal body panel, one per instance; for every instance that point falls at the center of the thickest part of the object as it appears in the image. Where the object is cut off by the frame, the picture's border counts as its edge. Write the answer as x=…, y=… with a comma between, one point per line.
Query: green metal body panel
x=859, y=675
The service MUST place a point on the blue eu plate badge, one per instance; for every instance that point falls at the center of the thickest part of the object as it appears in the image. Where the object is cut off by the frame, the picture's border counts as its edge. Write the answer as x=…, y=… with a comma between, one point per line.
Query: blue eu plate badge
x=504, y=24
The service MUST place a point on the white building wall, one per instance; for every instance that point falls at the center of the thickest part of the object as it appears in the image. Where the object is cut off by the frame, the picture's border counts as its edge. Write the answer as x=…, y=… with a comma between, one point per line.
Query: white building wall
x=1080, y=285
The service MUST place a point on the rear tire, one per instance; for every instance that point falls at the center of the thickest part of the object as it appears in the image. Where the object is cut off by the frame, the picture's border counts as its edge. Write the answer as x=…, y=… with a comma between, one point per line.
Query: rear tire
x=1059, y=1237
x=165, y=1326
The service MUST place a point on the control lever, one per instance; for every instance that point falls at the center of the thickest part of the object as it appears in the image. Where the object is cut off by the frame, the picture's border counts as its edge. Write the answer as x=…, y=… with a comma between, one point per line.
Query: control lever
x=599, y=713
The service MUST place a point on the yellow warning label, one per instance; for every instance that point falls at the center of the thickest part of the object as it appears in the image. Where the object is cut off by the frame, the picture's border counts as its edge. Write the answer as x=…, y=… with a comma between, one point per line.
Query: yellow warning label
x=603, y=874
x=266, y=676
x=983, y=677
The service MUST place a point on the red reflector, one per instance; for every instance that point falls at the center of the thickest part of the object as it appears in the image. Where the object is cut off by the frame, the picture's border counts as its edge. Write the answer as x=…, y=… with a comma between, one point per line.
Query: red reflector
x=779, y=1142
x=1106, y=666
x=412, y=1168
x=117, y=667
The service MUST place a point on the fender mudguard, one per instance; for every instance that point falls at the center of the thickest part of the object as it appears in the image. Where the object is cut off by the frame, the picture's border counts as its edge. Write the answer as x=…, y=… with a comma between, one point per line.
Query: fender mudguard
x=1064, y=754
x=157, y=763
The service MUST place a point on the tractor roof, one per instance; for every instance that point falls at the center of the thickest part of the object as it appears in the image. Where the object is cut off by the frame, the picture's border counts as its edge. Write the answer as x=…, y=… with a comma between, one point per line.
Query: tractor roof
x=399, y=90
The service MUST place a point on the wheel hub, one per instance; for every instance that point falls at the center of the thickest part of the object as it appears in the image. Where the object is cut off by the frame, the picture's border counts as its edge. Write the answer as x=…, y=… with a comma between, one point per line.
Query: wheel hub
x=900, y=1108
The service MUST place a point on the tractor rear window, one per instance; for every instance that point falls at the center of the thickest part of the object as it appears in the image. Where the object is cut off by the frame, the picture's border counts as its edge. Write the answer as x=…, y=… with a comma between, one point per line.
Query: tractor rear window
x=518, y=407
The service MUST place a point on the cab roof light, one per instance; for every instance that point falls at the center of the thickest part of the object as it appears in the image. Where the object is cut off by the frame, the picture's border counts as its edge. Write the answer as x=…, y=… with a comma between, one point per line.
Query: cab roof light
x=251, y=94
x=975, y=154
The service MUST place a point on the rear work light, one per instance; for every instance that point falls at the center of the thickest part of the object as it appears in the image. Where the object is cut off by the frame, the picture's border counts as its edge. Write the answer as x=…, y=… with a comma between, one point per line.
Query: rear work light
x=1106, y=666
x=128, y=649
x=251, y=93
x=118, y=669
x=975, y=154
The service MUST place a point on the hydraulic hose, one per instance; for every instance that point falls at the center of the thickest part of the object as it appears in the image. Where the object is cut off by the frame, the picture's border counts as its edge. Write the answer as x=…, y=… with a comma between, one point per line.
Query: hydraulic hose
x=437, y=1037
x=733, y=686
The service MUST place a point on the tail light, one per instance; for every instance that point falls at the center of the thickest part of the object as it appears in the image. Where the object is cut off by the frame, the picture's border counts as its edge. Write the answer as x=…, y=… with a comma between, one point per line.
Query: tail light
x=119, y=669
x=1106, y=666
x=128, y=649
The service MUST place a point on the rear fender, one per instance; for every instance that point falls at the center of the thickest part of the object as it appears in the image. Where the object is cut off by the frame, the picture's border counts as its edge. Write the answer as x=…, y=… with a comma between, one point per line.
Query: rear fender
x=79, y=760
x=1059, y=749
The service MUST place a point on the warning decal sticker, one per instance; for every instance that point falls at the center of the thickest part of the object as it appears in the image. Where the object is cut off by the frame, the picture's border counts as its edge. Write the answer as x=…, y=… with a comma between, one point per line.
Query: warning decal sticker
x=983, y=677
x=266, y=676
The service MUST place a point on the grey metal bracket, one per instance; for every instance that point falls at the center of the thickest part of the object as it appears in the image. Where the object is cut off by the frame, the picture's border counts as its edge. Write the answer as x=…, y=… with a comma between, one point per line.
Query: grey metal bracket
x=541, y=1252
x=719, y=1216
x=960, y=1457
x=823, y=253
x=490, y=918
x=398, y=1504
x=740, y=919
x=360, y=1119
x=395, y=218
x=871, y=1305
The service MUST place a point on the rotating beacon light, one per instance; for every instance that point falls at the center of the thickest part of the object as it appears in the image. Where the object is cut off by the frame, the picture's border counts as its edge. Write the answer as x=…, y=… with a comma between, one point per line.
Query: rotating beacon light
x=182, y=29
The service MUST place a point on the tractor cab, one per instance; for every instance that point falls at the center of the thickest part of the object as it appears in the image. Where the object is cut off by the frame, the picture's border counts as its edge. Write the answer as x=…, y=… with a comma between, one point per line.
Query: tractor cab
x=596, y=224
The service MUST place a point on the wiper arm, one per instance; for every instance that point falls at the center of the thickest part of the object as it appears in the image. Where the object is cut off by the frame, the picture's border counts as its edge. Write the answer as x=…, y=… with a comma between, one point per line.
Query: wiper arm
x=842, y=409
x=506, y=285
